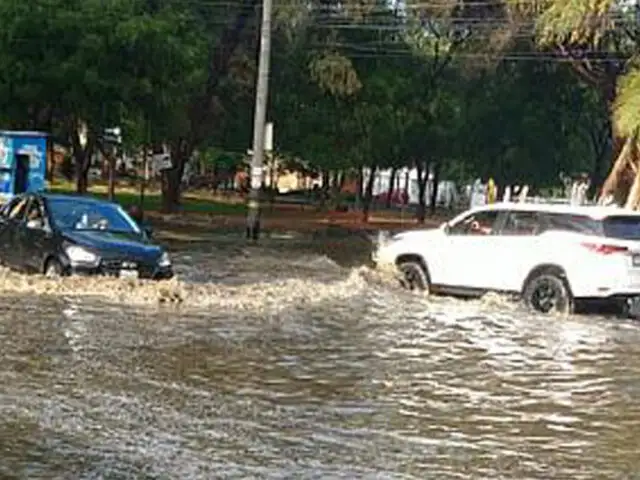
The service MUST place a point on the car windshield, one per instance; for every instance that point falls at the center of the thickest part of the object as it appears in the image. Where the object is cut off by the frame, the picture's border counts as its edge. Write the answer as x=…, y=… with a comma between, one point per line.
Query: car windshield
x=73, y=214
x=622, y=227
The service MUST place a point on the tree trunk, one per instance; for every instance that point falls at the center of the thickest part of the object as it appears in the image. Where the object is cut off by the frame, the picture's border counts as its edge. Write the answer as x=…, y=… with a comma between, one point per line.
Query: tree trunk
x=423, y=177
x=112, y=177
x=601, y=141
x=368, y=194
x=406, y=199
x=633, y=200
x=342, y=178
x=359, y=187
x=618, y=181
x=434, y=190
x=81, y=156
x=392, y=182
x=335, y=185
x=172, y=177
x=50, y=170
x=170, y=190
x=82, y=182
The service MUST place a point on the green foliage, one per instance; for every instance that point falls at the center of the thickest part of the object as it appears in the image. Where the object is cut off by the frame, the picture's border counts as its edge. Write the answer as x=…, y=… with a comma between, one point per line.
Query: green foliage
x=353, y=84
x=627, y=106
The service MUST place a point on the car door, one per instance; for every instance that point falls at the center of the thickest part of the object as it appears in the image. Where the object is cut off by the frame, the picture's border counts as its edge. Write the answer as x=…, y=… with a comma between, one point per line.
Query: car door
x=516, y=243
x=33, y=236
x=11, y=251
x=468, y=252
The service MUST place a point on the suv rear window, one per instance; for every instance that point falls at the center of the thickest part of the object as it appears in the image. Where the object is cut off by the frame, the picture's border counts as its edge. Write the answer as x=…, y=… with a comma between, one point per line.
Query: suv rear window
x=622, y=227
x=570, y=223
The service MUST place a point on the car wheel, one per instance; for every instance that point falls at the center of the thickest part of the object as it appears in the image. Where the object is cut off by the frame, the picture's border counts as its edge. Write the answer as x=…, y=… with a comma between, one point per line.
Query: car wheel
x=413, y=276
x=53, y=269
x=548, y=293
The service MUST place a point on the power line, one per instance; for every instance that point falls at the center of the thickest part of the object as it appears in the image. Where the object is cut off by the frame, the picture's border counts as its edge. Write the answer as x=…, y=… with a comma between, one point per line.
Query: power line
x=382, y=48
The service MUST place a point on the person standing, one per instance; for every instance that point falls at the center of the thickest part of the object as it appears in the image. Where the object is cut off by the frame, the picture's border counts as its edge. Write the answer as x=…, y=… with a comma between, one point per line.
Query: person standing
x=491, y=191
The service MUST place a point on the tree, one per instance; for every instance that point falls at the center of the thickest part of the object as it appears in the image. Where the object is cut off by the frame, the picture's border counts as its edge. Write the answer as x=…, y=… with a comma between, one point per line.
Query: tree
x=81, y=66
x=203, y=108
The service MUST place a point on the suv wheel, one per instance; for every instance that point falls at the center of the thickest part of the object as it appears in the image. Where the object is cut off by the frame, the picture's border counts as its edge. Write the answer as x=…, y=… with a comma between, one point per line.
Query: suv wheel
x=413, y=276
x=548, y=293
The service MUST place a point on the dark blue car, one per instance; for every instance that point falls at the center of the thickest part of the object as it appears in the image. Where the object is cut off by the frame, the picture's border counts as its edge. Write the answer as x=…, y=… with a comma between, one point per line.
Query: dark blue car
x=64, y=234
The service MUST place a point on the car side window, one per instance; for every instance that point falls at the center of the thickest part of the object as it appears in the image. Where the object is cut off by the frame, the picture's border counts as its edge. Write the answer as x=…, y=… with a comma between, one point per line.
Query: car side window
x=478, y=223
x=521, y=223
x=16, y=212
x=34, y=211
x=7, y=207
x=570, y=223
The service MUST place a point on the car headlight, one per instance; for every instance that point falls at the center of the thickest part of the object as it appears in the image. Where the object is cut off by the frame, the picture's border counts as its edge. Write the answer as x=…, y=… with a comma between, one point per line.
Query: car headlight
x=164, y=260
x=78, y=254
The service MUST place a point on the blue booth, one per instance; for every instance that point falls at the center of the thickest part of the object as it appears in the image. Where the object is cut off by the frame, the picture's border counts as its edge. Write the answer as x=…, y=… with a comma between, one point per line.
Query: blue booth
x=23, y=163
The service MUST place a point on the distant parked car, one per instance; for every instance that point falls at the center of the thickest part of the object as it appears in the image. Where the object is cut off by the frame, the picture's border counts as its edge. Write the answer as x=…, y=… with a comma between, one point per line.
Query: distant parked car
x=61, y=235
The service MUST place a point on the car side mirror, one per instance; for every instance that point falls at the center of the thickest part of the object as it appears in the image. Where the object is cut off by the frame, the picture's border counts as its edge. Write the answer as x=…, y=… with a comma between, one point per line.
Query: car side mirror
x=36, y=224
x=445, y=228
x=147, y=229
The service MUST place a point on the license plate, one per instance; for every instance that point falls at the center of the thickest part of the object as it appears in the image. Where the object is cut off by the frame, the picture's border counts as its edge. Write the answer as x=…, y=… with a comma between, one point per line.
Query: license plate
x=128, y=274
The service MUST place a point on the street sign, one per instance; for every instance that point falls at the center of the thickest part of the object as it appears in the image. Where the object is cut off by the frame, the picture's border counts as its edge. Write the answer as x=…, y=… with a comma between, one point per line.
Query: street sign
x=112, y=135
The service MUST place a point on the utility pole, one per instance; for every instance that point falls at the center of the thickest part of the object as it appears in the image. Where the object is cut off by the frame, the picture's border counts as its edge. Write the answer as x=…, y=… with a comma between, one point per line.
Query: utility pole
x=145, y=164
x=259, y=124
x=112, y=139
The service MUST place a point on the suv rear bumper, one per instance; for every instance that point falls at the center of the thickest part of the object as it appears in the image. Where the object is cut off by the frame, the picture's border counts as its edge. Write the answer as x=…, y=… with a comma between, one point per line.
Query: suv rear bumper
x=627, y=304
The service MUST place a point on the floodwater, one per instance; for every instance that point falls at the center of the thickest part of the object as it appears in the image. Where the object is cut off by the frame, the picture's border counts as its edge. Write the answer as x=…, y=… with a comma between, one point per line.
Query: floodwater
x=278, y=362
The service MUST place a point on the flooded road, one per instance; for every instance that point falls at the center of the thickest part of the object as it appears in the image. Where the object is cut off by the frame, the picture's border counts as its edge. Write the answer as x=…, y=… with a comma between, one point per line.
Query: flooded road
x=277, y=362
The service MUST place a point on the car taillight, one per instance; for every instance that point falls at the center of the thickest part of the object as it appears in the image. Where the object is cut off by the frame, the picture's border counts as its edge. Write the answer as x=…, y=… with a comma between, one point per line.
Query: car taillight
x=605, y=249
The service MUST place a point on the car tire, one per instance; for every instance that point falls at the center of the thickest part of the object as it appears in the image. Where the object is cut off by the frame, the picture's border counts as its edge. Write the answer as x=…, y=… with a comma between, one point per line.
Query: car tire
x=413, y=276
x=548, y=293
x=53, y=269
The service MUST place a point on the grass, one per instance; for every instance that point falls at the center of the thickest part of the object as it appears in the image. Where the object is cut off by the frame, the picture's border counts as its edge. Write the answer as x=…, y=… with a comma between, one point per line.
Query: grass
x=196, y=202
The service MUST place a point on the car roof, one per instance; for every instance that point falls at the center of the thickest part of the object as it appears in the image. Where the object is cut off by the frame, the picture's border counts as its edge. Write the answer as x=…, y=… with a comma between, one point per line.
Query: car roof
x=68, y=196
x=596, y=212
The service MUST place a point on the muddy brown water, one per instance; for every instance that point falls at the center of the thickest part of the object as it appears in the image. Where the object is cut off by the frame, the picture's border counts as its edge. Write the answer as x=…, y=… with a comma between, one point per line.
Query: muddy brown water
x=279, y=362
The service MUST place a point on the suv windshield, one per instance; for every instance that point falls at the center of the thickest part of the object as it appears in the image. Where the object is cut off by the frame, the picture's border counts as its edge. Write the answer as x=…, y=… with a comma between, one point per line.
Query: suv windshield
x=74, y=214
x=622, y=227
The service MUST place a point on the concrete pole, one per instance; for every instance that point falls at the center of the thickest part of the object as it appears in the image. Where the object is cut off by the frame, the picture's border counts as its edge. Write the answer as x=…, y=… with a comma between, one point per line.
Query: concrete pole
x=259, y=124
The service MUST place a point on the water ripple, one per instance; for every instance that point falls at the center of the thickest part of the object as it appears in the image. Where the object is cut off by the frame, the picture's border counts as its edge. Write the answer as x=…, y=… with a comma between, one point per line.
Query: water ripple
x=317, y=372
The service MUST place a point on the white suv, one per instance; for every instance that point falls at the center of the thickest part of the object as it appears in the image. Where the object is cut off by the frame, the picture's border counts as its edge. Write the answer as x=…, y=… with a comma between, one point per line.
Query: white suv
x=551, y=255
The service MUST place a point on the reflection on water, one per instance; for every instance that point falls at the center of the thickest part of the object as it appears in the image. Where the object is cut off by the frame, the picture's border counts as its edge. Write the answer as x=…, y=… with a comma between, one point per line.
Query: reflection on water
x=280, y=364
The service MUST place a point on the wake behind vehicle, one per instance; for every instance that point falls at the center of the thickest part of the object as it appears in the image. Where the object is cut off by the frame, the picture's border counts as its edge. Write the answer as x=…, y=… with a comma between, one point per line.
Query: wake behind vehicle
x=553, y=256
x=61, y=235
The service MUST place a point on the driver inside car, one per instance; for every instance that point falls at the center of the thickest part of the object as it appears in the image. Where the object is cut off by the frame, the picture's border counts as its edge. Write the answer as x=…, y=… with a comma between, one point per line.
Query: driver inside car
x=478, y=228
x=85, y=223
x=34, y=214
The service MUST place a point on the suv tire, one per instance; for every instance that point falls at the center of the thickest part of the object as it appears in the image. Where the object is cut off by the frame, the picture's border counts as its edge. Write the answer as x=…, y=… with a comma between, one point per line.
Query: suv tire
x=413, y=275
x=548, y=293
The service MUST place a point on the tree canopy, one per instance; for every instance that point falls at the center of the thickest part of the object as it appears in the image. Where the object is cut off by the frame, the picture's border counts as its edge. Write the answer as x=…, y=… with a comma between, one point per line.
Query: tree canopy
x=517, y=91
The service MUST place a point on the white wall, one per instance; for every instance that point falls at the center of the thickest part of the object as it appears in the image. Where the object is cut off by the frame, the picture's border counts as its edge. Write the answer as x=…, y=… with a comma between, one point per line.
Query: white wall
x=447, y=192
